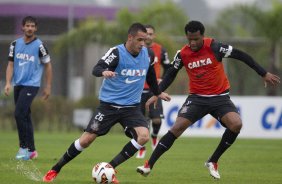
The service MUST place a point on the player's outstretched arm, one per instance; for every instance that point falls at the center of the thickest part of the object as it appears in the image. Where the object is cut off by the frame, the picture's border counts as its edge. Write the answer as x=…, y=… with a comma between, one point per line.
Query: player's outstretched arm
x=271, y=79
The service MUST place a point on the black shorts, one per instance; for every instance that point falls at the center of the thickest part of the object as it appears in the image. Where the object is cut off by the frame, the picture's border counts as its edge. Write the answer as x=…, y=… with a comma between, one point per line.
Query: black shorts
x=106, y=116
x=153, y=112
x=196, y=107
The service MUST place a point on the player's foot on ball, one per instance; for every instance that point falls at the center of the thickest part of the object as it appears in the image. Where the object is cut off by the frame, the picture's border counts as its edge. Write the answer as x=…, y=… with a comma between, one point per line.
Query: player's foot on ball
x=50, y=176
x=141, y=153
x=145, y=169
x=213, y=169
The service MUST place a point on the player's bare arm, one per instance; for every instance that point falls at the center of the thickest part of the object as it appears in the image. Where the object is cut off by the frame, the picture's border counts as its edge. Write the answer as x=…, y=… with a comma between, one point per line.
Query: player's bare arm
x=9, y=75
x=48, y=78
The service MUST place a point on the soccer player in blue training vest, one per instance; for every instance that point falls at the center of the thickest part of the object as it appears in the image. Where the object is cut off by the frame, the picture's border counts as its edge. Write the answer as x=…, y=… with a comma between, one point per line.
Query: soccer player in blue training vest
x=125, y=68
x=209, y=92
x=28, y=58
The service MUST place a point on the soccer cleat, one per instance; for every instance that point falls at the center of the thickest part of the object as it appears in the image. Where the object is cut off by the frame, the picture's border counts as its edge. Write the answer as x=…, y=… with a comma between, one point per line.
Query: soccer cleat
x=23, y=154
x=115, y=180
x=154, y=142
x=141, y=153
x=212, y=167
x=50, y=176
x=145, y=169
x=33, y=154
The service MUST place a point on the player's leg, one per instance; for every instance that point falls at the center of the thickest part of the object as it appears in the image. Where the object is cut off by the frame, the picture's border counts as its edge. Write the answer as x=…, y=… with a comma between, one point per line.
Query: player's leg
x=140, y=135
x=189, y=113
x=233, y=123
x=165, y=143
x=136, y=127
x=30, y=131
x=230, y=118
x=23, y=98
x=31, y=142
x=141, y=153
x=73, y=151
x=99, y=124
x=156, y=115
x=22, y=145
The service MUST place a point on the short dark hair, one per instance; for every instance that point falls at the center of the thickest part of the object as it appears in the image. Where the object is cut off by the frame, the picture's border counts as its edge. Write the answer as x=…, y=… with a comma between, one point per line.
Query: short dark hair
x=29, y=19
x=135, y=27
x=194, y=26
x=150, y=26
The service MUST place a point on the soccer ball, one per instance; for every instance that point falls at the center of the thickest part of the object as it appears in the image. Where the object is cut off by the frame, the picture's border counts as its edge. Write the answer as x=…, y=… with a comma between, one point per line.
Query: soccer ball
x=103, y=172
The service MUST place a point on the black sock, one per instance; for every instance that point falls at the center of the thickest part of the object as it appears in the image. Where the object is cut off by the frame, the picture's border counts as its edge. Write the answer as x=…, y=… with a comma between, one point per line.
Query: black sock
x=164, y=144
x=71, y=153
x=227, y=140
x=128, y=151
x=156, y=129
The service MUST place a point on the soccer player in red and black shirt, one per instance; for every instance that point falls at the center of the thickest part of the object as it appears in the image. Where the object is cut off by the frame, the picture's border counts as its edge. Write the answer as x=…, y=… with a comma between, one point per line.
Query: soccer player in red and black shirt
x=161, y=61
x=209, y=92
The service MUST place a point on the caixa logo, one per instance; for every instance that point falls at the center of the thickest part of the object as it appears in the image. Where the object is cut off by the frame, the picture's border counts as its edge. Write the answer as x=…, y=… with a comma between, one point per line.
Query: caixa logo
x=206, y=122
x=271, y=119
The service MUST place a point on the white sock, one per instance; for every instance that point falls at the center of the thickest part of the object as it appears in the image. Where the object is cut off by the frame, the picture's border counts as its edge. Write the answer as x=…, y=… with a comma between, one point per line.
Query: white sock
x=78, y=146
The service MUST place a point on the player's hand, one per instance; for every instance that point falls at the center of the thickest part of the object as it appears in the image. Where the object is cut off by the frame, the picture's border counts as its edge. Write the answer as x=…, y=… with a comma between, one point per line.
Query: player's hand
x=164, y=96
x=271, y=78
x=154, y=100
x=46, y=93
x=7, y=89
x=108, y=74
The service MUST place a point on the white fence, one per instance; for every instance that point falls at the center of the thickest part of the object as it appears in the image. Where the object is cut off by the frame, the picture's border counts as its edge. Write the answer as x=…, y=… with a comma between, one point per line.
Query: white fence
x=261, y=116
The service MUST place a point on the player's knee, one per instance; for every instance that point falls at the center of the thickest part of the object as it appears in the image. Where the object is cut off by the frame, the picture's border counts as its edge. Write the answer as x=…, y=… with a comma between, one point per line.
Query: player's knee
x=236, y=126
x=178, y=128
x=86, y=139
x=143, y=138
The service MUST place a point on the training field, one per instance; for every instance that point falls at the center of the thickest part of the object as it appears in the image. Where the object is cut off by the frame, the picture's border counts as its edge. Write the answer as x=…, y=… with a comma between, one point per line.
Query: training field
x=249, y=161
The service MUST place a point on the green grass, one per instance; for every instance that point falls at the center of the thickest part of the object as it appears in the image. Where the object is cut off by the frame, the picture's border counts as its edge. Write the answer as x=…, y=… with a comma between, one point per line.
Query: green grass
x=249, y=161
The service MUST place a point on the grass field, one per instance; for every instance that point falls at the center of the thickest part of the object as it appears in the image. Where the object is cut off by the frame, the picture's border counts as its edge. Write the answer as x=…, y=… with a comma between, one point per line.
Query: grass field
x=249, y=161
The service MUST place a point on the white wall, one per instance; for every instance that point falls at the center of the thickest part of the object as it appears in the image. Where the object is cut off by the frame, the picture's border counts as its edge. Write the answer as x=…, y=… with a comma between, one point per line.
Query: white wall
x=261, y=116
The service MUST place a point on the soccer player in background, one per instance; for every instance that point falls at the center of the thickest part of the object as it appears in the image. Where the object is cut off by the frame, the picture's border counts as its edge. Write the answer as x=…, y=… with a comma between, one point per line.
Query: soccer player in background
x=28, y=58
x=155, y=113
x=125, y=68
x=209, y=92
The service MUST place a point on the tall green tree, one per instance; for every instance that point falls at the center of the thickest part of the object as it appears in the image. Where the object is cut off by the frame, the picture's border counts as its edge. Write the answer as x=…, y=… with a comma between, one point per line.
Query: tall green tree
x=263, y=24
x=268, y=24
x=161, y=15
